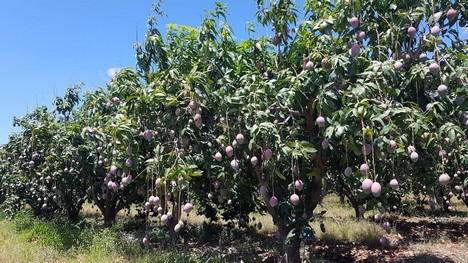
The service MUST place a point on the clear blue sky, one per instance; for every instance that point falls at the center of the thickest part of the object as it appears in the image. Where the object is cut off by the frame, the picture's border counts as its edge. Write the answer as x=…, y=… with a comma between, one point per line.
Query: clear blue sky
x=48, y=45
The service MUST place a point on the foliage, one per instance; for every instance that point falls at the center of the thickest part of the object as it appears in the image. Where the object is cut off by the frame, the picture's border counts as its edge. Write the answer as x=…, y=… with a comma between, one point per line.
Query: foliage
x=208, y=119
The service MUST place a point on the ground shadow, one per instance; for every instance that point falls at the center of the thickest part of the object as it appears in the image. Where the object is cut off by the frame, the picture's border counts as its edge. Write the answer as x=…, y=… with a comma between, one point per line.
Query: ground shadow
x=424, y=258
x=422, y=230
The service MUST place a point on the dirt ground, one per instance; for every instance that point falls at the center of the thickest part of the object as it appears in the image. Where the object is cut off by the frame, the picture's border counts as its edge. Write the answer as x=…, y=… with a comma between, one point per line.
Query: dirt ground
x=415, y=240
x=404, y=253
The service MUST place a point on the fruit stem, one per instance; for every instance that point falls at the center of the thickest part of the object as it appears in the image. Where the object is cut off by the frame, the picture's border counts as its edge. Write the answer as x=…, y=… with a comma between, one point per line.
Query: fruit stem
x=346, y=153
x=463, y=80
x=363, y=138
x=292, y=173
x=373, y=157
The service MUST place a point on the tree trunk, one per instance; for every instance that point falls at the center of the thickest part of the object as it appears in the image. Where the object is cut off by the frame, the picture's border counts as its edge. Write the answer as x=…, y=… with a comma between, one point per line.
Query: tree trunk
x=293, y=252
x=170, y=229
x=445, y=206
x=174, y=220
x=354, y=202
x=312, y=197
x=73, y=208
x=73, y=213
x=112, y=205
x=109, y=217
x=106, y=206
x=464, y=195
x=291, y=249
x=342, y=200
x=355, y=205
x=109, y=214
x=344, y=190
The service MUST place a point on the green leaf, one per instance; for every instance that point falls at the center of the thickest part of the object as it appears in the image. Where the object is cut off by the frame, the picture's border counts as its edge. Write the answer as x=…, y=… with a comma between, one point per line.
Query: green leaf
x=279, y=175
x=315, y=172
x=197, y=173
x=452, y=136
x=294, y=234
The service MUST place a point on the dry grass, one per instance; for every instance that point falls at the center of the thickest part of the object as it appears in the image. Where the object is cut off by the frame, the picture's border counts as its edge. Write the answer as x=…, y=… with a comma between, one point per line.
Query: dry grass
x=340, y=224
x=335, y=209
x=266, y=222
x=355, y=231
x=90, y=210
x=458, y=205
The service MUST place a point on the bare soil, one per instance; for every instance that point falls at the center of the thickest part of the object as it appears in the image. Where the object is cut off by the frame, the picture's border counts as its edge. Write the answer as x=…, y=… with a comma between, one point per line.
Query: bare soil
x=412, y=240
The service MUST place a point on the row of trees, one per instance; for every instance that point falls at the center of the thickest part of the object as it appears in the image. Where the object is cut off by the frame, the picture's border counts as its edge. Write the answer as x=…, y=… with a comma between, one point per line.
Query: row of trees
x=365, y=98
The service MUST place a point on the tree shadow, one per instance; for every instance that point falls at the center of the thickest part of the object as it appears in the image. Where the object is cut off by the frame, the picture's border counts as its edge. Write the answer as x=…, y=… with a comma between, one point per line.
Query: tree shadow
x=424, y=258
x=353, y=252
x=421, y=231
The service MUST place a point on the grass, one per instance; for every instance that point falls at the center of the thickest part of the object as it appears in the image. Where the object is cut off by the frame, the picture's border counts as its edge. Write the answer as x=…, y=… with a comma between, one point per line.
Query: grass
x=340, y=224
x=29, y=239
x=15, y=248
x=355, y=231
x=336, y=209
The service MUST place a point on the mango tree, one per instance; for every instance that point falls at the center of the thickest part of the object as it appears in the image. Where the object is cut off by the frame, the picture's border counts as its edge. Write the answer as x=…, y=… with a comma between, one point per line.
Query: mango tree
x=118, y=149
x=47, y=162
x=350, y=86
x=368, y=96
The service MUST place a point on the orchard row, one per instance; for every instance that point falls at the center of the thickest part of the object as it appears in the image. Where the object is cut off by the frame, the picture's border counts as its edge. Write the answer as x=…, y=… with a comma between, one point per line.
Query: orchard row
x=366, y=100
